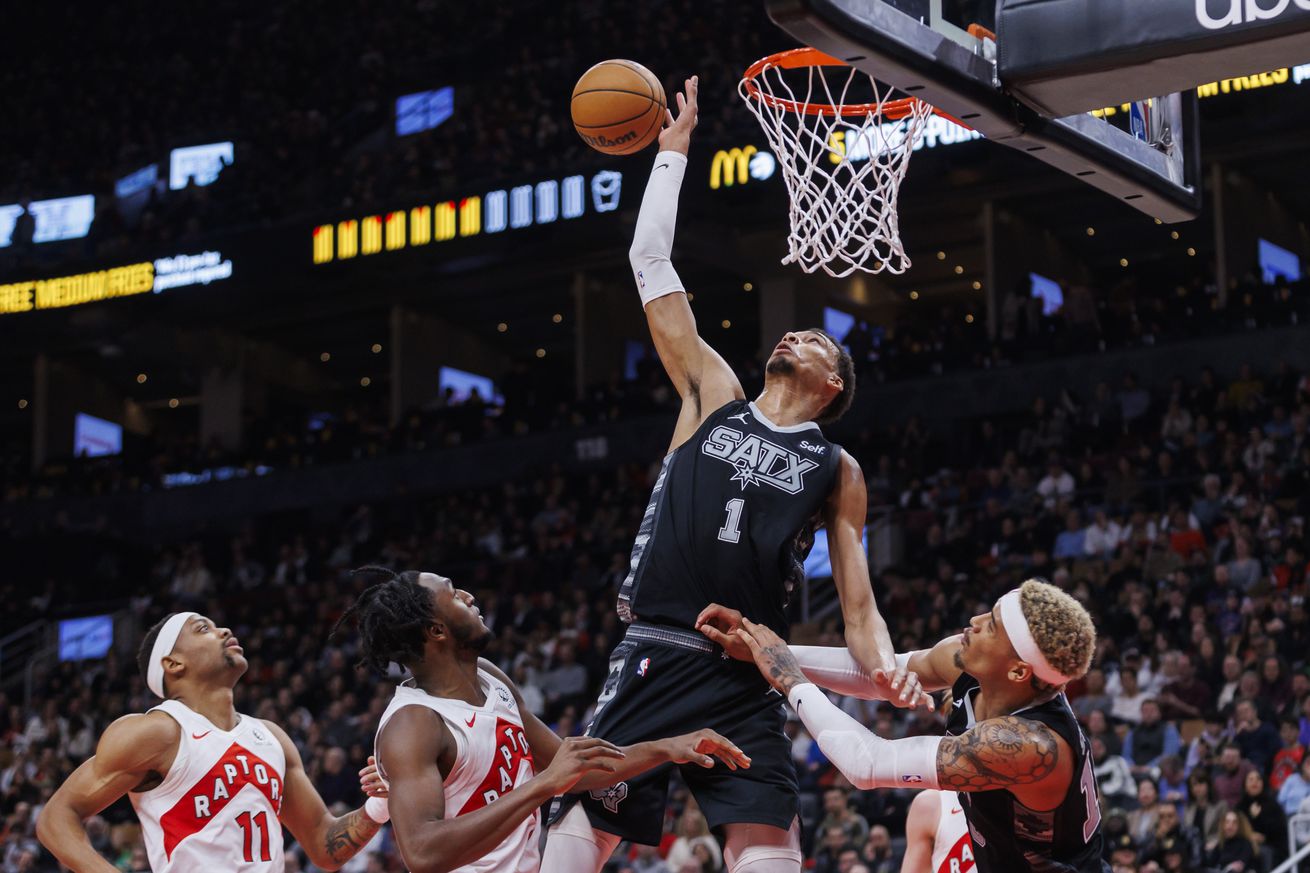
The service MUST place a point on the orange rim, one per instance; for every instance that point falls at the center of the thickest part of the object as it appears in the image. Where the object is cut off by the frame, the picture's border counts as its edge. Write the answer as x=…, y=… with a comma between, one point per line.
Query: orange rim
x=795, y=59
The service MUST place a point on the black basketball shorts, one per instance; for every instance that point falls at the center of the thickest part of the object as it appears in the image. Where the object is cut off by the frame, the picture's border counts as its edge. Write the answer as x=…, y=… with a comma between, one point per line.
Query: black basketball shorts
x=664, y=682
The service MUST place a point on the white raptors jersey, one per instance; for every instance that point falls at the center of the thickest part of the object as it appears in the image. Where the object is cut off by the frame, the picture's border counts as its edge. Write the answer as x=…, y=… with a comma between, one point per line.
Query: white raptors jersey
x=217, y=809
x=491, y=758
x=952, y=851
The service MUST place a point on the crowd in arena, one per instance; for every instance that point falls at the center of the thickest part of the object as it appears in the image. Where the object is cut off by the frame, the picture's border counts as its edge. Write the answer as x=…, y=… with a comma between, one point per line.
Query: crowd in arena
x=1177, y=517
x=1131, y=314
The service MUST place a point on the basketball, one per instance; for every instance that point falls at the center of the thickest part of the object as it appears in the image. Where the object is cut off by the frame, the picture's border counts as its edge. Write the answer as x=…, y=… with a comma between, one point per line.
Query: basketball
x=618, y=107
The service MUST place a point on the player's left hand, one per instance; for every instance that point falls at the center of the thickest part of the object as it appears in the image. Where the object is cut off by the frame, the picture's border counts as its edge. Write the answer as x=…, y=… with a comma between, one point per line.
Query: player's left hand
x=901, y=687
x=703, y=746
x=772, y=656
x=371, y=781
x=720, y=624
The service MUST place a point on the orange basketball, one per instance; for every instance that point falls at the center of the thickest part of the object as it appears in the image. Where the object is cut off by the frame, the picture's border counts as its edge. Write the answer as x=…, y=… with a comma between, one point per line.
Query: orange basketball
x=618, y=107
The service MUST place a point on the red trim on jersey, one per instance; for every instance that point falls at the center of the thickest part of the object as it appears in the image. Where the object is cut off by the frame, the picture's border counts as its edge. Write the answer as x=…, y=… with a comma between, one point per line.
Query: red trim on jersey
x=961, y=853
x=186, y=818
x=503, y=774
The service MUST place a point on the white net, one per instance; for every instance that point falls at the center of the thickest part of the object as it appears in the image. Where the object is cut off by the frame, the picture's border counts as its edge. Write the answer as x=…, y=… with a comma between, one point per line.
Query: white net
x=844, y=169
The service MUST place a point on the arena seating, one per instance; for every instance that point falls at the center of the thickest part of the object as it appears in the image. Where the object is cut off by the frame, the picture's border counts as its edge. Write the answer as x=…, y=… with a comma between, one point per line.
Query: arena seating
x=1177, y=517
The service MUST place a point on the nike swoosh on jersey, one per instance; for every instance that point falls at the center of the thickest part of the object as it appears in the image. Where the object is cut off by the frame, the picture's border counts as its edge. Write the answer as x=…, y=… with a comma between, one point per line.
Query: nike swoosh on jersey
x=956, y=811
x=470, y=721
x=201, y=736
x=660, y=166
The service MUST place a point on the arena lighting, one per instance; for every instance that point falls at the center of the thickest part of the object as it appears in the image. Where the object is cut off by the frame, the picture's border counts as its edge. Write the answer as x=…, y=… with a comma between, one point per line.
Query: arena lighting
x=494, y=212
x=59, y=219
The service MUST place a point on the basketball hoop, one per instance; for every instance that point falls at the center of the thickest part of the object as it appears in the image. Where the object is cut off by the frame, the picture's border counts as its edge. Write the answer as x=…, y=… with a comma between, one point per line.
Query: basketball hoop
x=843, y=163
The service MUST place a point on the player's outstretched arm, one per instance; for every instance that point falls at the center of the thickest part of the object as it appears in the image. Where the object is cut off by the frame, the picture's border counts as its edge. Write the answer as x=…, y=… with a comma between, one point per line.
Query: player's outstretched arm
x=702, y=378
x=698, y=747
x=867, y=638
x=1003, y=752
x=410, y=748
x=833, y=668
x=132, y=750
x=328, y=840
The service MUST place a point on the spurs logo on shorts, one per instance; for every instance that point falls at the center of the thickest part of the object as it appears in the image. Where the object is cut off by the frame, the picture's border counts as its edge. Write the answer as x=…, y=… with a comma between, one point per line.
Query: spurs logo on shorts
x=758, y=460
x=612, y=796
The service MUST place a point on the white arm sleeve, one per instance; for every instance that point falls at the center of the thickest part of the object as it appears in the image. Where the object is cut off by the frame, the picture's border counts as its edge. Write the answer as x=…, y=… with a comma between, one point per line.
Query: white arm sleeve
x=863, y=757
x=652, y=243
x=833, y=668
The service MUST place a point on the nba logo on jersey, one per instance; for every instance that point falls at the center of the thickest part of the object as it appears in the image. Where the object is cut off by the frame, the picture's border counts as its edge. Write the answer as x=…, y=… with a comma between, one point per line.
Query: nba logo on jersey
x=641, y=279
x=643, y=666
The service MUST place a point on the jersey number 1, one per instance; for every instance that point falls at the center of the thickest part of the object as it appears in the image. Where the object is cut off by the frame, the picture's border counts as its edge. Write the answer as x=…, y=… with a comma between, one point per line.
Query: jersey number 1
x=731, y=530
x=249, y=824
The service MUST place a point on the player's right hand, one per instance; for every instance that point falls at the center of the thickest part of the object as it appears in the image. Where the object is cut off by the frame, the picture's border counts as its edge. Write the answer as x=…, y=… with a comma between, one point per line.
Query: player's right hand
x=676, y=136
x=703, y=746
x=901, y=687
x=720, y=623
x=578, y=756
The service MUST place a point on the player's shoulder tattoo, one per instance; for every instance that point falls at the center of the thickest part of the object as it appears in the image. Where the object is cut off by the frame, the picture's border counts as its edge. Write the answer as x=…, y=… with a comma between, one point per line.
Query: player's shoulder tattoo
x=998, y=753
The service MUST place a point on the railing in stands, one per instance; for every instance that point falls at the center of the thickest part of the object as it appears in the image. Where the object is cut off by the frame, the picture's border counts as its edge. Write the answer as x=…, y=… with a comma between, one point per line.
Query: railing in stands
x=1298, y=834
x=17, y=648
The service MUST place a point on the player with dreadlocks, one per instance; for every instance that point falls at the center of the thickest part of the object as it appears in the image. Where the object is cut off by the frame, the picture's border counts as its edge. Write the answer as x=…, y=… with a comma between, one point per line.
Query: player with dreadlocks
x=468, y=765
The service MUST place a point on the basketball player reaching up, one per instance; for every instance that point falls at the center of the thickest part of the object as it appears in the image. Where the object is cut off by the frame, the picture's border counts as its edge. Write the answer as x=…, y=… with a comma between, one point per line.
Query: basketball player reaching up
x=468, y=765
x=212, y=787
x=1014, y=750
x=730, y=519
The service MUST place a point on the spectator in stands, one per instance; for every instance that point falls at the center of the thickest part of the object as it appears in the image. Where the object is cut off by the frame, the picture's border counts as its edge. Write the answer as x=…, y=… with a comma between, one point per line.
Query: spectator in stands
x=1170, y=832
x=1114, y=776
x=1102, y=537
x=1057, y=485
x=1244, y=570
x=1257, y=739
x=879, y=855
x=1204, y=813
x=828, y=858
x=1289, y=757
x=648, y=860
x=1172, y=784
x=1127, y=707
x=694, y=833
x=1268, y=823
x=1232, y=672
x=1150, y=740
x=1070, y=544
x=837, y=813
x=1295, y=789
x=1143, y=820
x=1235, y=852
x=1230, y=778
x=1186, y=696
x=1093, y=696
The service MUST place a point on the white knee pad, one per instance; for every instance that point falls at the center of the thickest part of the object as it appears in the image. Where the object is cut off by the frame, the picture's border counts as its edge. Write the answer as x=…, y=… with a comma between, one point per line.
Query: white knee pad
x=758, y=848
x=574, y=846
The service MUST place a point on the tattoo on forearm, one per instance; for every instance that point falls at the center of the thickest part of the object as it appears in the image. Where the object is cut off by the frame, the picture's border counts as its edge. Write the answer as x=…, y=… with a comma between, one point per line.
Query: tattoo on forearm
x=784, y=669
x=348, y=834
x=997, y=753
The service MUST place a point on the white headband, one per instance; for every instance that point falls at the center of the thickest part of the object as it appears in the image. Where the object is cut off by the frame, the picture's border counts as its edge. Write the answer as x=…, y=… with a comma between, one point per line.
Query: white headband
x=163, y=647
x=1021, y=636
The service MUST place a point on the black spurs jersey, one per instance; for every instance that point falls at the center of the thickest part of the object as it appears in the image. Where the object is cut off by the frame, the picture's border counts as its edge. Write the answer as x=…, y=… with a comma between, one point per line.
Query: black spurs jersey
x=1010, y=838
x=730, y=520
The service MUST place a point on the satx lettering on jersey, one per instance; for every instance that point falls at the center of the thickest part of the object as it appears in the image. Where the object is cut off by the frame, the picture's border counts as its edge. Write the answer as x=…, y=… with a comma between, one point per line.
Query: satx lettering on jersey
x=511, y=765
x=231, y=774
x=757, y=460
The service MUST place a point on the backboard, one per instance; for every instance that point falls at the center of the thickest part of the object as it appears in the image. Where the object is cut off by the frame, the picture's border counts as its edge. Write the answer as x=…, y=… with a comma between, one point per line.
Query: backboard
x=924, y=49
